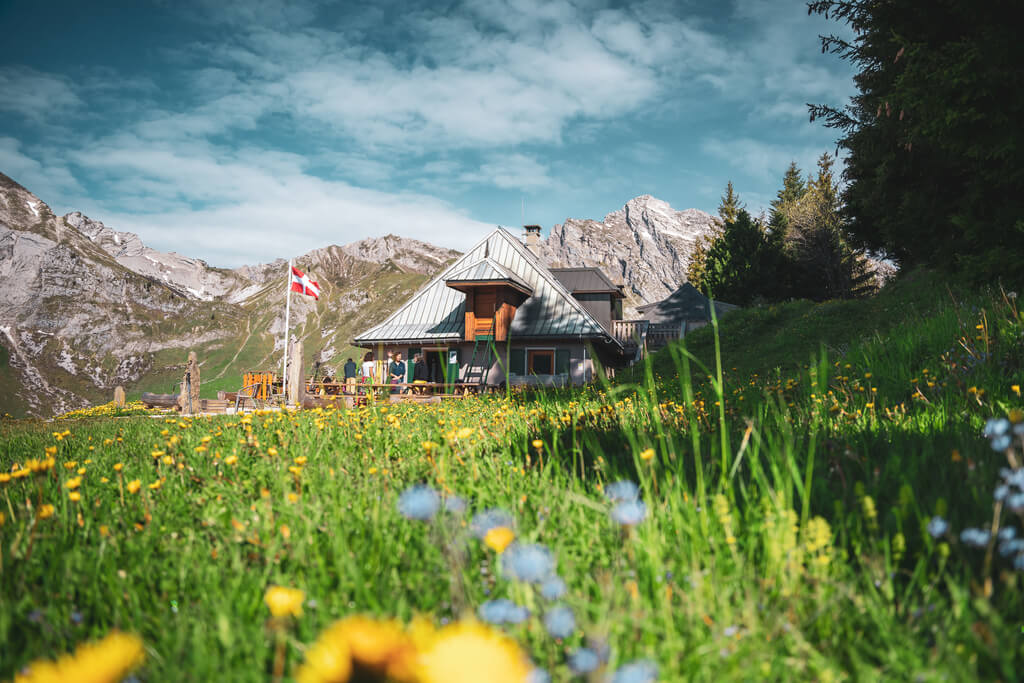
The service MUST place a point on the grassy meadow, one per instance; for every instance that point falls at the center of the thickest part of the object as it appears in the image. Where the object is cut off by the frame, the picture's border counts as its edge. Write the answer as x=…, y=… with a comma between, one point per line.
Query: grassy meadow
x=823, y=492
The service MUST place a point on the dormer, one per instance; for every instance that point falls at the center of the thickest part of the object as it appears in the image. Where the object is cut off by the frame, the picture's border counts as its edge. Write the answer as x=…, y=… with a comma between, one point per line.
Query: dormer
x=493, y=294
x=594, y=290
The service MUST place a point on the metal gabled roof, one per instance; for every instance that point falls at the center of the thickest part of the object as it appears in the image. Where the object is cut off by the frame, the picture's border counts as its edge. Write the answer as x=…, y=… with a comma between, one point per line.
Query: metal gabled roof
x=488, y=270
x=586, y=279
x=686, y=303
x=437, y=312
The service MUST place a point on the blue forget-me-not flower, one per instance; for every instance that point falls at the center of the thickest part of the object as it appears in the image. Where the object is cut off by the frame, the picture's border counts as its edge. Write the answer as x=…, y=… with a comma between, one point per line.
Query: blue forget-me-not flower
x=639, y=671
x=560, y=621
x=419, y=502
x=529, y=562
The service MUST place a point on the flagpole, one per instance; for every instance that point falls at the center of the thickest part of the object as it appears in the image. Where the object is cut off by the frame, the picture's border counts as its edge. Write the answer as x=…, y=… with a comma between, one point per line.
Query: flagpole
x=287, y=321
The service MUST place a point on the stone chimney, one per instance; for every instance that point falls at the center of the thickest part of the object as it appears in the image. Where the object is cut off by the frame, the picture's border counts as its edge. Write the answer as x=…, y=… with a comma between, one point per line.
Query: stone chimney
x=532, y=239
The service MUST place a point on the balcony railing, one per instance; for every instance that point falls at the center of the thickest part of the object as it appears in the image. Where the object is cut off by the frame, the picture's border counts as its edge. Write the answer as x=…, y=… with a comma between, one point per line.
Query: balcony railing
x=630, y=332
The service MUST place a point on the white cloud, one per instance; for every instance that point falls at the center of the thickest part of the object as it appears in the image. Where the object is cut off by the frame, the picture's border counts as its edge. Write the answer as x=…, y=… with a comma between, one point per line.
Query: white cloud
x=36, y=96
x=761, y=161
x=511, y=172
x=48, y=178
x=249, y=205
x=206, y=175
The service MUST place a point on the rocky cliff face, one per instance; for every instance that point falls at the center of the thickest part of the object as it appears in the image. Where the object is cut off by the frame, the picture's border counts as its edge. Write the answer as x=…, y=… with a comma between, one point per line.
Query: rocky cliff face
x=75, y=321
x=645, y=245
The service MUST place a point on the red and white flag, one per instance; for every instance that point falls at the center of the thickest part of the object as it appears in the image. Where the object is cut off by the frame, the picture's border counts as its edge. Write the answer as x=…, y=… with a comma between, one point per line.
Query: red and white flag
x=302, y=283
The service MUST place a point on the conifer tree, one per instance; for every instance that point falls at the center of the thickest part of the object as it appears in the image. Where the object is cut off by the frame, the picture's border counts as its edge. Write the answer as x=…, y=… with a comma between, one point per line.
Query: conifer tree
x=730, y=206
x=935, y=161
x=825, y=266
x=792, y=191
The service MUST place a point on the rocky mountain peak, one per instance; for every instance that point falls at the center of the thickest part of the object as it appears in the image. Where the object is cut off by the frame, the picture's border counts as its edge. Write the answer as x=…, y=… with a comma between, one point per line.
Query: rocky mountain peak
x=645, y=245
x=409, y=254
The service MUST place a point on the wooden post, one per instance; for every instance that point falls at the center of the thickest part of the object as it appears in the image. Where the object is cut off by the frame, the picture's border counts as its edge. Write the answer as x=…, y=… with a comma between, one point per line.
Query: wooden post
x=188, y=398
x=119, y=397
x=296, y=383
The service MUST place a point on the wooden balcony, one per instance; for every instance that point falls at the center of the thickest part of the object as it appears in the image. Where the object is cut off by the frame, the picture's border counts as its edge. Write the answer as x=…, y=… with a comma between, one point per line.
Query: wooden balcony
x=659, y=336
x=631, y=333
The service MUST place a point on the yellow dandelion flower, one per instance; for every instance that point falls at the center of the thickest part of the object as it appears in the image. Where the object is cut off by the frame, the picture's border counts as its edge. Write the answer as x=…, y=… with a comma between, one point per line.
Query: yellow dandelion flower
x=301, y=460
x=74, y=496
x=134, y=486
x=375, y=648
x=272, y=451
x=45, y=511
x=469, y=652
x=104, y=530
x=231, y=460
x=50, y=451
x=107, y=661
x=284, y=602
x=537, y=443
x=647, y=454
x=375, y=645
x=499, y=538
x=156, y=484
x=293, y=498
x=73, y=483
x=327, y=661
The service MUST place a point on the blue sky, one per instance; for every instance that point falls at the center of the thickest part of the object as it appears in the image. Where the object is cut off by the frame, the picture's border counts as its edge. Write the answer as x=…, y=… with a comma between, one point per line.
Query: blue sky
x=240, y=132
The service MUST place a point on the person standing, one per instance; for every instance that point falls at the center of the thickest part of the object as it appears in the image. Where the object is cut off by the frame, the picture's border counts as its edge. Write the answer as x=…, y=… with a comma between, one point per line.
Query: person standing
x=350, y=375
x=419, y=373
x=397, y=371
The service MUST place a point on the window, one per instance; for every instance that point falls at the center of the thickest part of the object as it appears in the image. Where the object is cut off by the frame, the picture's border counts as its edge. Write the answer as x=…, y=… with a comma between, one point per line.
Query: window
x=540, y=361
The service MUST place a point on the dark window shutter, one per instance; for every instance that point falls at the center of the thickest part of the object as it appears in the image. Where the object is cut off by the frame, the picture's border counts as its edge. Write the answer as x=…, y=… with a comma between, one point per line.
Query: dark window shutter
x=517, y=361
x=562, y=361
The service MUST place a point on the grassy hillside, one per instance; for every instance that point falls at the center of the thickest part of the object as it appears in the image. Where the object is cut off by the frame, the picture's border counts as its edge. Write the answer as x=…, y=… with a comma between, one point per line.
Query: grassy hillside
x=785, y=337
x=10, y=404
x=846, y=504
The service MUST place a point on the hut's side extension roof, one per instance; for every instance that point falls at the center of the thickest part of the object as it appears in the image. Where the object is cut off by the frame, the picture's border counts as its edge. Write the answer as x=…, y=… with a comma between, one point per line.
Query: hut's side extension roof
x=586, y=280
x=686, y=303
x=437, y=312
x=488, y=270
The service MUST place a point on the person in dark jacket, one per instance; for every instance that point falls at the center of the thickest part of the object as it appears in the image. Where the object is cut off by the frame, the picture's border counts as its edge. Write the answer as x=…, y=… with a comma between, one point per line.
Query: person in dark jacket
x=350, y=375
x=419, y=373
x=397, y=371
